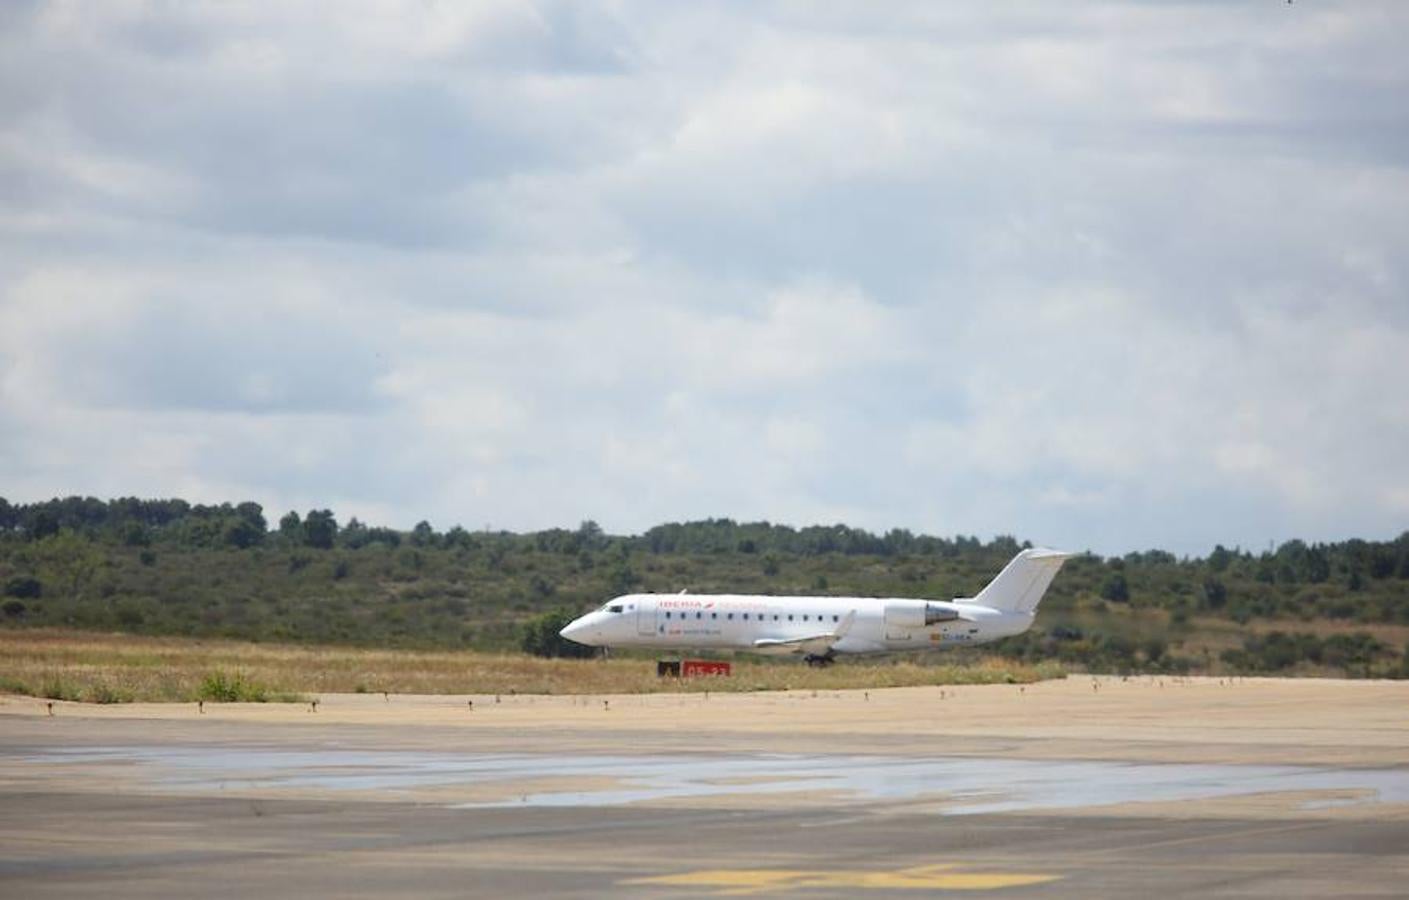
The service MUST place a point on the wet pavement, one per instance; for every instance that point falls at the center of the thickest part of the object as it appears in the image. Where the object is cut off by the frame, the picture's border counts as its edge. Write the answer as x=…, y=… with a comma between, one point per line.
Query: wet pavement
x=965, y=786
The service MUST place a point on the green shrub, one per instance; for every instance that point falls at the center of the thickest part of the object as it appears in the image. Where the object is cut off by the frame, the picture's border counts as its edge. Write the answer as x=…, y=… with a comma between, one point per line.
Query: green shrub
x=9, y=685
x=222, y=687
x=103, y=692
x=57, y=688
x=541, y=637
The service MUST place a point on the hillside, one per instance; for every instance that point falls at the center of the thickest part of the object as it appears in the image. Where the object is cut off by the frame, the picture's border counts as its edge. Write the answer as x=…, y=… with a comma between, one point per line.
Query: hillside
x=169, y=567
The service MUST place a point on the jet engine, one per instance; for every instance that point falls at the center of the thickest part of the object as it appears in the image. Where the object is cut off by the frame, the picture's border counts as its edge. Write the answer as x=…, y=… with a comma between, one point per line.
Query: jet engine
x=918, y=613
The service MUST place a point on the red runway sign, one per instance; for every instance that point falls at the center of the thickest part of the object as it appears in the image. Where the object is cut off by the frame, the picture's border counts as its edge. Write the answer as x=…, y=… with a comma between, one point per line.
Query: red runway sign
x=693, y=667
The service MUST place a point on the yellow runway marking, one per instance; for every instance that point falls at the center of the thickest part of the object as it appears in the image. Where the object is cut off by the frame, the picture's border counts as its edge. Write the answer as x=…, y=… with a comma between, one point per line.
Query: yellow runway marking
x=925, y=878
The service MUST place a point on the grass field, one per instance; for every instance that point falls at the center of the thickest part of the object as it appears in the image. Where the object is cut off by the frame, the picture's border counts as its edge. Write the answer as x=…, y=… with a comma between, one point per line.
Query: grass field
x=117, y=668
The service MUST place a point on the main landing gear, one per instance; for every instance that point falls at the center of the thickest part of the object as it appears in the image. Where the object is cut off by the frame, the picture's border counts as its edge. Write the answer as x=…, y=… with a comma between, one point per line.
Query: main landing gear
x=818, y=660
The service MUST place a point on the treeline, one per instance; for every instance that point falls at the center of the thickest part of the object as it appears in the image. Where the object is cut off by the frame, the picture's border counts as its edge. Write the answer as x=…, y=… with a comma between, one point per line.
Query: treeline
x=137, y=522
x=168, y=566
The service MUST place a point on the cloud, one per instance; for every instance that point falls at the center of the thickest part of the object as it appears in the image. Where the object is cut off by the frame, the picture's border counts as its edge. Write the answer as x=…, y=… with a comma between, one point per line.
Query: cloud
x=117, y=340
x=1102, y=276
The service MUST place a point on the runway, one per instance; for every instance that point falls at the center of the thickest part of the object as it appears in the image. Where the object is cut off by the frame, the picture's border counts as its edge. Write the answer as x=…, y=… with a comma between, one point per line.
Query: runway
x=274, y=802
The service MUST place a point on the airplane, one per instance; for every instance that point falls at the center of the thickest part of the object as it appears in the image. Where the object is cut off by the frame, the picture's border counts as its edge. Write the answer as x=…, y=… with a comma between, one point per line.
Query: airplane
x=820, y=628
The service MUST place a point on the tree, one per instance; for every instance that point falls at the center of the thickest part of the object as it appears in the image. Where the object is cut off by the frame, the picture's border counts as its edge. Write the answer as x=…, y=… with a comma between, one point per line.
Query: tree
x=1220, y=557
x=320, y=529
x=44, y=524
x=252, y=515
x=252, y=512
x=589, y=535
x=388, y=536
x=354, y=534
x=1215, y=594
x=24, y=586
x=423, y=535
x=291, y=528
x=623, y=578
x=135, y=534
x=242, y=532
x=72, y=560
x=1317, y=567
x=1115, y=589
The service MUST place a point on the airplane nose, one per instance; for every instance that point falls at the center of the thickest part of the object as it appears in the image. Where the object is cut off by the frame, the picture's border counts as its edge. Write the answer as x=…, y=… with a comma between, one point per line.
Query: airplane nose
x=576, y=630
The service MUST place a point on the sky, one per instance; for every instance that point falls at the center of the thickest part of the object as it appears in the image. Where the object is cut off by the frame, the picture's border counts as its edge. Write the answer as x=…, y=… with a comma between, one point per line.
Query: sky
x=1107, y=276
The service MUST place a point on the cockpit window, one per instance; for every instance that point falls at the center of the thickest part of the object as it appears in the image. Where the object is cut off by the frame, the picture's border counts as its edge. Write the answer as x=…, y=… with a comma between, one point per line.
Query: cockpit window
x=615, y=607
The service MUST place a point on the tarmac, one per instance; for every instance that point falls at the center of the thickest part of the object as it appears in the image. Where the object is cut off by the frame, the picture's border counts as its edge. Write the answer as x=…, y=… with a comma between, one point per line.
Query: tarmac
x=1086, y=787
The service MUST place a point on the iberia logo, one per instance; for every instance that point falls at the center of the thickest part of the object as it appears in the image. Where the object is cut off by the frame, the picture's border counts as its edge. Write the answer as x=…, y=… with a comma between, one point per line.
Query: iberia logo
x=686, y=603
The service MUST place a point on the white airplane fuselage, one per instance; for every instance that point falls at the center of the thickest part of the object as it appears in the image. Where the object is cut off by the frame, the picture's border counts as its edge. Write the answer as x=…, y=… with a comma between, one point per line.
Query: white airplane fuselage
x=821, y=626
x=739, y=621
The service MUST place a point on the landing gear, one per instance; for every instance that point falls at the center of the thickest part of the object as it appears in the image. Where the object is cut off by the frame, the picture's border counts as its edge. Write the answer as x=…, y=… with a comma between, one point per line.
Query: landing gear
x=818, y=660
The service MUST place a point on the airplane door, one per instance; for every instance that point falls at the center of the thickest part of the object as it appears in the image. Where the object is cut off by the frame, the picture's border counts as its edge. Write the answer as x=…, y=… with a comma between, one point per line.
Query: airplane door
x=645, y=617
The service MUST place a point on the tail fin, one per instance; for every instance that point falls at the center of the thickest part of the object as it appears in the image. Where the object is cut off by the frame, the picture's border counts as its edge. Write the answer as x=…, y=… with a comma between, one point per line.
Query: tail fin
x=1023, y=581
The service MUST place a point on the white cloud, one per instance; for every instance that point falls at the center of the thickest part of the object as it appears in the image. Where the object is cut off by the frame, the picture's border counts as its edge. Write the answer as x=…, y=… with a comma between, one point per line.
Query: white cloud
x=1109, y=276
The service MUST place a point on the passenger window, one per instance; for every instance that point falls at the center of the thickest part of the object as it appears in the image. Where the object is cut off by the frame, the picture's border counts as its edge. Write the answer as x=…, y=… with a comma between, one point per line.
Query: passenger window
x=667, y=614
x=699, y=615
x=731, y=616
x=714, y=615
x=790, y=617
x=836, y=618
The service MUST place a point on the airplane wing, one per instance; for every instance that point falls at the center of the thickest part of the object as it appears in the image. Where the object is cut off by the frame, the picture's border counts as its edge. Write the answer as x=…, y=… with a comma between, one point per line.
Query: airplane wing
x=812, y=644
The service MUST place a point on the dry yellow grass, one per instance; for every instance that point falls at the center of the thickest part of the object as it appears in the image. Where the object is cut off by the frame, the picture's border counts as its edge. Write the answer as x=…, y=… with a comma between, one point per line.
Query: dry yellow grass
x=122, y=668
